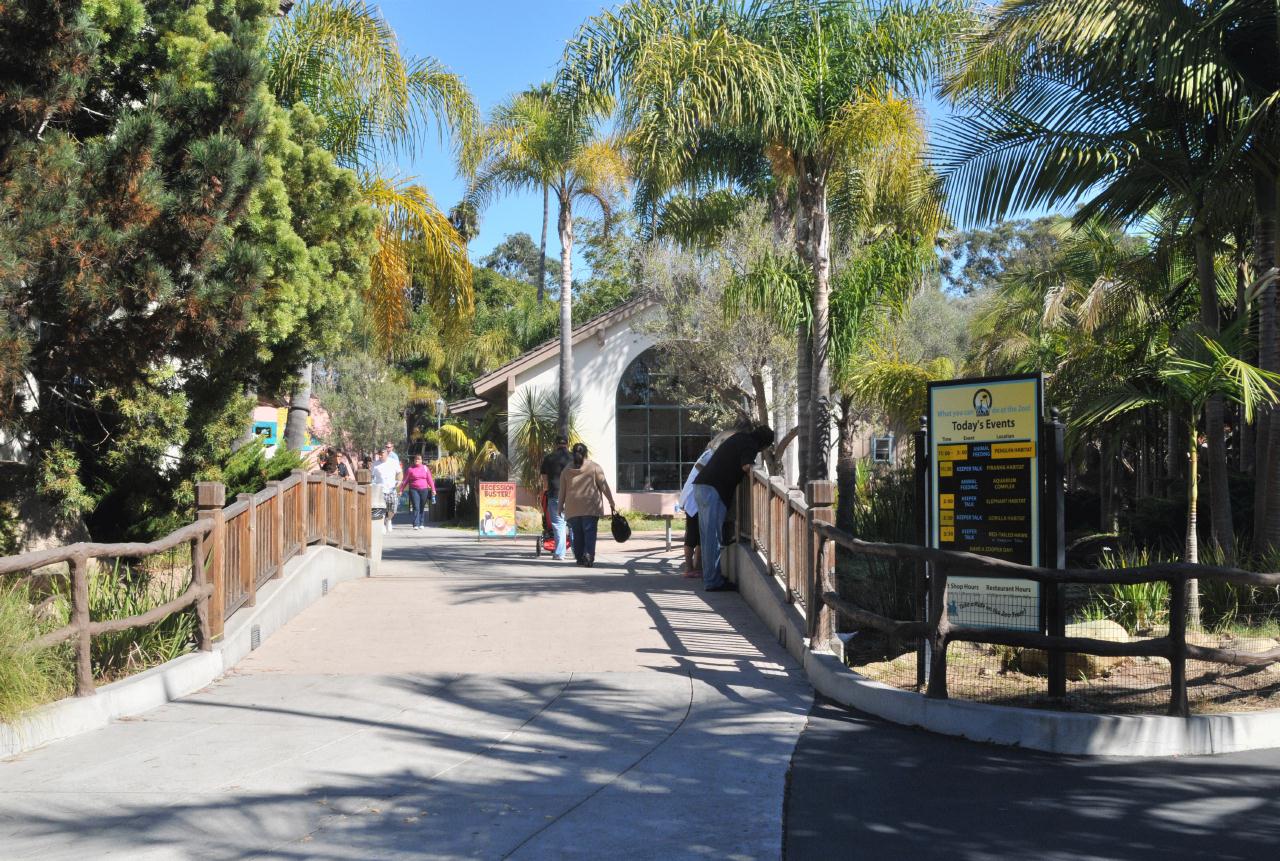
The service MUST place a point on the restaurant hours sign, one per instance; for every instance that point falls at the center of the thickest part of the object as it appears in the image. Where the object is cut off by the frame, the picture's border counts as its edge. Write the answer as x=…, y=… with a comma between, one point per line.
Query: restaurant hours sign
x=984, y=441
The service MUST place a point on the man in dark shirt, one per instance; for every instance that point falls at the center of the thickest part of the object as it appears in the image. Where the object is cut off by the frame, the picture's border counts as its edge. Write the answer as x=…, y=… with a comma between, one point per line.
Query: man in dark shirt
x=713, y=491
x=552, y=465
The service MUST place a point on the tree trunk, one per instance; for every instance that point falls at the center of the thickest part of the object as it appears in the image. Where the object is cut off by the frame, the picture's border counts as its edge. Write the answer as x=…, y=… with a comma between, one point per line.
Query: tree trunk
x=804, y=360
x=542, y=249
x=1193, y=544
x=813, y=202
x=1266, y=506
x=295, y=428
x=846, y=468
x=1243, y=437
x=566, y=314
x=1223, y=534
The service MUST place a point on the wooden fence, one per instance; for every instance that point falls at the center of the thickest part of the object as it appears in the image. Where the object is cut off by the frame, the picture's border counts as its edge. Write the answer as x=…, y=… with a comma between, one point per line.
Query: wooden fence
x=234, y=550
x=796, y=538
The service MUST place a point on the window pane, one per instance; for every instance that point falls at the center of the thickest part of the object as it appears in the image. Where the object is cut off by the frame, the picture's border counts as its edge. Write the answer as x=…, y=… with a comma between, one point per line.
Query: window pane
x=692, y=447
x=690, y=425
x=631, y=477
x=632, y=421
x=664, y=449
x=666, y=476
x=632, y=449
x=664, y=422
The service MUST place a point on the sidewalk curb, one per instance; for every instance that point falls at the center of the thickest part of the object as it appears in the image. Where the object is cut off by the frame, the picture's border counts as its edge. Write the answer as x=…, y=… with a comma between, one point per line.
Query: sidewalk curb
x=278, y=602
x=1068, y=733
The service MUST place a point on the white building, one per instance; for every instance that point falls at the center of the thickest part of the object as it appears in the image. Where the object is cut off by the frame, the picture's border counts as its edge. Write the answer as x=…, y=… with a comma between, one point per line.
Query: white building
x=645, y=442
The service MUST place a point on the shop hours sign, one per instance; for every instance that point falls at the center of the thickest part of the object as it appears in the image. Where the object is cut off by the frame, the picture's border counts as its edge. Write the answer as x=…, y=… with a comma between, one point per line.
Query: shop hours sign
x=984, y=446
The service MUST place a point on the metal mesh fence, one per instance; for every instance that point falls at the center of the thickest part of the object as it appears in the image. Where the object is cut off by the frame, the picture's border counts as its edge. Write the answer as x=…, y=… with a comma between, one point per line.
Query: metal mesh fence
x=1240, y=618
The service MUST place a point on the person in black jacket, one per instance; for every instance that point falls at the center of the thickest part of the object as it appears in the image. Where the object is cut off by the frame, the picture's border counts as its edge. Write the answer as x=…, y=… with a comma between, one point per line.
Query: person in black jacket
x=713, y=491
x=552, y=465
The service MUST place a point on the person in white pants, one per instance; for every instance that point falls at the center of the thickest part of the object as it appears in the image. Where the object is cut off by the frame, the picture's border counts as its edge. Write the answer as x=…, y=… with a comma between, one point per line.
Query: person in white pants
x=384, y=482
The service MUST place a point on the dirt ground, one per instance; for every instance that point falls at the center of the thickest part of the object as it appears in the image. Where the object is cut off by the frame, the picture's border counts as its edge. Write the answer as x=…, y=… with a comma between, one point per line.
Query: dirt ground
x=1131, y=686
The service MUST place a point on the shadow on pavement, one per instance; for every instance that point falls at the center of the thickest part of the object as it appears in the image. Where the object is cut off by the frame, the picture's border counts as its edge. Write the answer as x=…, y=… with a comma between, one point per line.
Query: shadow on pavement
x=867, y=789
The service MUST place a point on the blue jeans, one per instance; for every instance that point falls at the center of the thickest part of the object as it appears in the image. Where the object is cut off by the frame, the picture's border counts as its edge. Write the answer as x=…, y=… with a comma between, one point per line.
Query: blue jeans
x=711, y=513
x=418, y=500
x=557, y=524
x=584, y=537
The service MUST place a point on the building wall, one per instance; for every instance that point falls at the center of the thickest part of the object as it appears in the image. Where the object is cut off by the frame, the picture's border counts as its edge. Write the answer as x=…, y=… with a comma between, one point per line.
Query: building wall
x=598, y=365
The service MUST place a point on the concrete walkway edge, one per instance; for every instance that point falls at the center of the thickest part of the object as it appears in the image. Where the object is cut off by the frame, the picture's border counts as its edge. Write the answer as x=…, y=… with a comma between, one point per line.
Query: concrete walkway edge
x=1051, y=731
x=303, y=583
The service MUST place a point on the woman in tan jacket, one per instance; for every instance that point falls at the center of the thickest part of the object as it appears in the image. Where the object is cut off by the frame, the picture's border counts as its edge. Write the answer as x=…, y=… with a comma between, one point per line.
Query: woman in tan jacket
x=583, y=489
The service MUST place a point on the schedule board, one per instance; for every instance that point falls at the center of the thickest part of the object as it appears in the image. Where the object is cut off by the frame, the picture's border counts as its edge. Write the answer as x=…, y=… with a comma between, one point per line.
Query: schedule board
x=984, y=447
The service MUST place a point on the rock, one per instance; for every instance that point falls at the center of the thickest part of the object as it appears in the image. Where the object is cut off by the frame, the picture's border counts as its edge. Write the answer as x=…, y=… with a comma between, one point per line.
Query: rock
x=1035, y=662
x=528, y=519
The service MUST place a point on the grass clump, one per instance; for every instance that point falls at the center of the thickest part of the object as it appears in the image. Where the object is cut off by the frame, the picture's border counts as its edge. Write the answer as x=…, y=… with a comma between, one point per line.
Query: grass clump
x=27, y=678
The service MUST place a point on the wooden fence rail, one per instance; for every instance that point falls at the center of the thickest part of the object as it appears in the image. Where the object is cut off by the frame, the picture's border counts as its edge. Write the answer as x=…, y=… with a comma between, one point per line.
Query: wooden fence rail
x=234, y=550
x=766, y=507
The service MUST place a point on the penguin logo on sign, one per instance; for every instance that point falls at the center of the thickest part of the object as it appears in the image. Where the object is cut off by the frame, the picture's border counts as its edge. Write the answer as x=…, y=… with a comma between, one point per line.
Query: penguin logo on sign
x=982, y=402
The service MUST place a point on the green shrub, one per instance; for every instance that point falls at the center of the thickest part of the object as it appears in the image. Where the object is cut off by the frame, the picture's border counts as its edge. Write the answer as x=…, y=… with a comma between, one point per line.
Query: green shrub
x=126, y=591
x=249, y=469
x=27, y=678
x=1134, y=606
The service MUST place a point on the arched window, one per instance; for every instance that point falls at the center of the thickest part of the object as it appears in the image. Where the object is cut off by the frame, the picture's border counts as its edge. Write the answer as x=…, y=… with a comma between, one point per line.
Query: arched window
x=658, y=438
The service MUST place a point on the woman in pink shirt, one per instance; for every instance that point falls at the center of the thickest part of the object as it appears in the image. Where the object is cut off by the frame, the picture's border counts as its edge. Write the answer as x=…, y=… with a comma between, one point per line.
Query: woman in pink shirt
x=421, y=486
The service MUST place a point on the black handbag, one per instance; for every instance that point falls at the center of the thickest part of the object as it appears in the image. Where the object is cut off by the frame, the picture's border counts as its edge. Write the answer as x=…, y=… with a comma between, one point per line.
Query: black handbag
x=621, y=528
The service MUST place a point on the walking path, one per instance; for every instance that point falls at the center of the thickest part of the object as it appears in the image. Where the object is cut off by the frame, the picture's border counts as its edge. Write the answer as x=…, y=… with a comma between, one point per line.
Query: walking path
x=468, y=702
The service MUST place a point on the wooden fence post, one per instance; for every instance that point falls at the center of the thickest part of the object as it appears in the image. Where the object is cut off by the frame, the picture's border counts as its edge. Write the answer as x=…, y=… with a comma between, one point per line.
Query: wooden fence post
x=300, y=511
x=210, y=498
x=364, y=512
x=939, y=630
x=248, y=550
x=277, y=529
x=1178, y=705
x=820, y=495
x=793, y=552
x=80, y=618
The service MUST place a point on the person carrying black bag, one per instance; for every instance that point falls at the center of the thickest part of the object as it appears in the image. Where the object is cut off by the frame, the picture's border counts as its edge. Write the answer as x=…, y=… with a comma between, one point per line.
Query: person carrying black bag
x=583, y=489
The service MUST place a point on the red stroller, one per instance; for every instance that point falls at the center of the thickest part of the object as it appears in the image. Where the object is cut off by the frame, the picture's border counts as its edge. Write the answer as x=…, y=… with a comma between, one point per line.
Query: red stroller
x=547, y=541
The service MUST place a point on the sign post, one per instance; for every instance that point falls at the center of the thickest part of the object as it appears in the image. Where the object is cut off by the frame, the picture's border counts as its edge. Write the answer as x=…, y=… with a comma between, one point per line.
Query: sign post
x=984, y=492
x=497, y=509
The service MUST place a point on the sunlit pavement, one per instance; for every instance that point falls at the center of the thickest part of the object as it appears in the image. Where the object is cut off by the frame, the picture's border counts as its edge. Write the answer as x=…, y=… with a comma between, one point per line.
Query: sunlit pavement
x=471, y=701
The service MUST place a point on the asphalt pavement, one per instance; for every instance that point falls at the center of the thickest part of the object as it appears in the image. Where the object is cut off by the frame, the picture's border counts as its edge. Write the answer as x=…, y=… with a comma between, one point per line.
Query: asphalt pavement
x=864, y=789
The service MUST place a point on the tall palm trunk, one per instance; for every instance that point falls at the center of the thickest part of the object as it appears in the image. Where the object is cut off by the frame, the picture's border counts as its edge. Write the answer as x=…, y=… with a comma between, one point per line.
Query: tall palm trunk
x=1193, y=544
x=846, y=467
x=542, y=249
x=813, y=204
x=566, y=313
x=1219, y=492
x=1266, y=507
x=804, y=383
x=295, y=426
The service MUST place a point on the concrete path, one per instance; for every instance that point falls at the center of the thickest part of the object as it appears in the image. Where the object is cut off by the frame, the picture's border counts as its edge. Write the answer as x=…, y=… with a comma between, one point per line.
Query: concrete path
x=470, y=702
x=882, y=791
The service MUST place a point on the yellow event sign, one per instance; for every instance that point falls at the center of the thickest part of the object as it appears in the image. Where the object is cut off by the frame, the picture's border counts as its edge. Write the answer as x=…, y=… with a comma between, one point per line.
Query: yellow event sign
x=984, y=437
x=497, y=509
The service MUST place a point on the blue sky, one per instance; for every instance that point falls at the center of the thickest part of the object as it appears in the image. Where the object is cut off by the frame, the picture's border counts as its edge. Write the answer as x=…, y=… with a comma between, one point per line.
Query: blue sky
x=499, y=47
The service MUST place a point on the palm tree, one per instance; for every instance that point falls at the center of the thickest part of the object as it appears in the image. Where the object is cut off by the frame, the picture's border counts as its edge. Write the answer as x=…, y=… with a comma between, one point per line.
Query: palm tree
x=1188, y=371
x=532, y=427
x=796, y=74
x=341, y=59
x=1127, y=106
x=533, y=141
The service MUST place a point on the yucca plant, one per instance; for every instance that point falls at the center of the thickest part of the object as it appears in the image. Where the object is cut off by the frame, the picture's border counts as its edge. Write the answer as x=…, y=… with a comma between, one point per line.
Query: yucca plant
x=532, y=429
